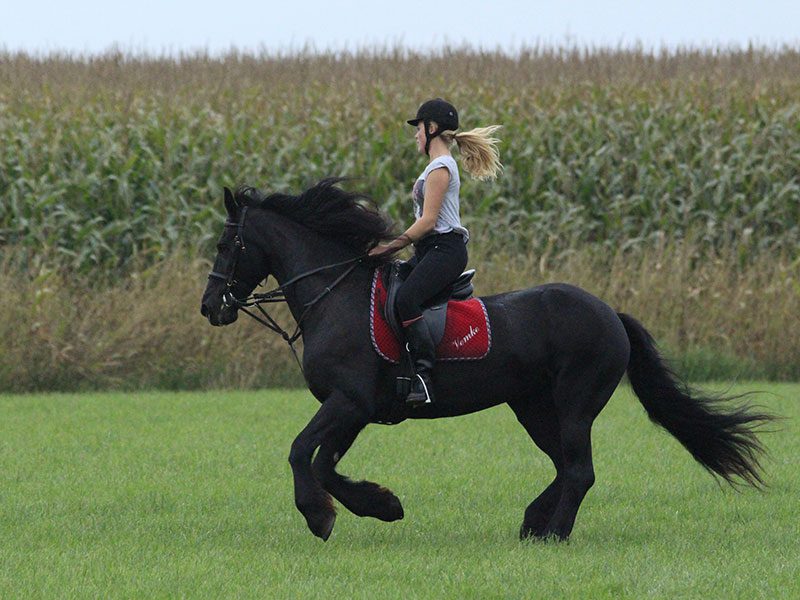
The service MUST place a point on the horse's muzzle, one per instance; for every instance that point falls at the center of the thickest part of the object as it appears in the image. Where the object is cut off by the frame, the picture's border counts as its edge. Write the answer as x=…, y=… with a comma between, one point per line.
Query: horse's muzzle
x=224, y=315
x=206, y=311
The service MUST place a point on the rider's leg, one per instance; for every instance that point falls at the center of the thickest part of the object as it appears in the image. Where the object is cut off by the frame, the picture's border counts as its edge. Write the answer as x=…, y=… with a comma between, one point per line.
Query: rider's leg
x=440, y=261
x=423, y=356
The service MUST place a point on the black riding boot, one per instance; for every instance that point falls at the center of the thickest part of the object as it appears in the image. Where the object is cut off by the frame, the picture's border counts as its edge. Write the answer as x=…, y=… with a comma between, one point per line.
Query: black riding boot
x=423, y=356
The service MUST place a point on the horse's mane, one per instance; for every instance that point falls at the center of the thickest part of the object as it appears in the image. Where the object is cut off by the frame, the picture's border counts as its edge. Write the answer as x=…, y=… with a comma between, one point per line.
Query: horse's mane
x=327, y=209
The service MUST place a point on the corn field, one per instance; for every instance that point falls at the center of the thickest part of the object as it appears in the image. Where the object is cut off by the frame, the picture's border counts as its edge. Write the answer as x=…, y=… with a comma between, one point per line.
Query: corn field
x=115, y=162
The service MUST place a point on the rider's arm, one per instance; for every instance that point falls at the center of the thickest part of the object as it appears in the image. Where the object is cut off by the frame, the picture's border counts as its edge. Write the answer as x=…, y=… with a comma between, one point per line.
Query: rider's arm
x=435, y=189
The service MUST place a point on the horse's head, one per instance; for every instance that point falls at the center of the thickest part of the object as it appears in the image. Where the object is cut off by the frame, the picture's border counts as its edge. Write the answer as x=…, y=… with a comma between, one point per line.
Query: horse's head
x=238, y=267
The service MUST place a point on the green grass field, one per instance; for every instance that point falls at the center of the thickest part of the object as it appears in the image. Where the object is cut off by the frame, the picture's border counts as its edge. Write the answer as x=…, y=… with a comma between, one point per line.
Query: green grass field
x=162, y=495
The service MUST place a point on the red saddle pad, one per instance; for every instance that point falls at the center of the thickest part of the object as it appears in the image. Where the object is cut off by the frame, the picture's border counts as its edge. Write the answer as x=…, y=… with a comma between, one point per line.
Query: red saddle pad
x=467, y=334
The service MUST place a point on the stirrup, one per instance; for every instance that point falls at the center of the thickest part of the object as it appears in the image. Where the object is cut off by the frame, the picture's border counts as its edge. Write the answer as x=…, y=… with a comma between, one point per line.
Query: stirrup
x=416, y=398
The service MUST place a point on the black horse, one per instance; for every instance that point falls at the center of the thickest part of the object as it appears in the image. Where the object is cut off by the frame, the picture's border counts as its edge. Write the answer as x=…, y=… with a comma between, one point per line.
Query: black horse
x=557, y=355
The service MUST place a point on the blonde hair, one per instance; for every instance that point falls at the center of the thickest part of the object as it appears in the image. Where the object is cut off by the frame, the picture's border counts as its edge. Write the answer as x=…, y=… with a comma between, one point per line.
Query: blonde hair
x=479, y=150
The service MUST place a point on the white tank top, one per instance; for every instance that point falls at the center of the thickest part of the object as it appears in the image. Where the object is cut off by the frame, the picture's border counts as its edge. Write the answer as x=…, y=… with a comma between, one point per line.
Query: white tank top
x=449, y=218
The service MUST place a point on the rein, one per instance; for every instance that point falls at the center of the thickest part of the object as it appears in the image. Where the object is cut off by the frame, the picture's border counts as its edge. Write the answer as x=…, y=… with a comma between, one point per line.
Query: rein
x=275, y=295
x=279, y=295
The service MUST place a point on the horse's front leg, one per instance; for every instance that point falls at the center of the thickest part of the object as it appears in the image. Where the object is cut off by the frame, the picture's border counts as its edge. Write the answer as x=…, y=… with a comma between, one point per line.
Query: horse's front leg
x=336, y=415
x=362, y=498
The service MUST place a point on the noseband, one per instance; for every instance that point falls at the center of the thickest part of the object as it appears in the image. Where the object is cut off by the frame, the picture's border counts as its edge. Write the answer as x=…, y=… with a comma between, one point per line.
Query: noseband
x=276, y=295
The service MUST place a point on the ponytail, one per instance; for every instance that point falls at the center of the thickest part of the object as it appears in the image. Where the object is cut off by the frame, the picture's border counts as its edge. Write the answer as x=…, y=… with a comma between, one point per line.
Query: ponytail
x=479, y=151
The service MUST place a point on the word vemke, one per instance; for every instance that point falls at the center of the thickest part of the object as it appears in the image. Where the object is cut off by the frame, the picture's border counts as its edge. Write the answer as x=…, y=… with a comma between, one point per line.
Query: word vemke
x=463, y=341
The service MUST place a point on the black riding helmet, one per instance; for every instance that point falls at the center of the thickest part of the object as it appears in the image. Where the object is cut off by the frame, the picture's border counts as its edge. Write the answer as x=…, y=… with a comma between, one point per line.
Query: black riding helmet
x=440, y=111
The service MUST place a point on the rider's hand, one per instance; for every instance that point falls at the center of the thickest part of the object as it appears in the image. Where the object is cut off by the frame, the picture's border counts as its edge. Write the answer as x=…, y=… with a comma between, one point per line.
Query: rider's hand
x=392, y=247
x=381, y=249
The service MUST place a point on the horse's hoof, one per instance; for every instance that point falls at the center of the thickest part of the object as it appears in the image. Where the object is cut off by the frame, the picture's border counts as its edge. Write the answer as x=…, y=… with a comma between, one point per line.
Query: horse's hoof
x=533, y=535
x=323, y=526
x=528, y=533
x=394, y=510
x=327, y=528
x=538, y=534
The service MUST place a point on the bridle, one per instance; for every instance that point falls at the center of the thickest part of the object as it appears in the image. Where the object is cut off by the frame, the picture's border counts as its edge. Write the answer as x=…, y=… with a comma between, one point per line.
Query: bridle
x=238, y=247
x=275, y=295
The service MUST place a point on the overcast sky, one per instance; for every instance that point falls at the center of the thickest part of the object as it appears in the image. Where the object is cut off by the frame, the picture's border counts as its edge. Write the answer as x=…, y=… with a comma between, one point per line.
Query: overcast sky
x=171, y=26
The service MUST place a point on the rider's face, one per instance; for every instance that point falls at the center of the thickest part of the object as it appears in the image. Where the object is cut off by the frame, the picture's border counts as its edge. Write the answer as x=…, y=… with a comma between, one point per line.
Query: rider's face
x=420, y=135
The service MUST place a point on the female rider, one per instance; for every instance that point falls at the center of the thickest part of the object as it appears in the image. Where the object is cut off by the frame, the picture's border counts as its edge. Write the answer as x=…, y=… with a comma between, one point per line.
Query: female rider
x=437, y=234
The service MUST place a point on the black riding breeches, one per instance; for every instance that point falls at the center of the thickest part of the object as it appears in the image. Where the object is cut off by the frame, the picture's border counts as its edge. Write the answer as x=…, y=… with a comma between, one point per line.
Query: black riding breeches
x=438, y=261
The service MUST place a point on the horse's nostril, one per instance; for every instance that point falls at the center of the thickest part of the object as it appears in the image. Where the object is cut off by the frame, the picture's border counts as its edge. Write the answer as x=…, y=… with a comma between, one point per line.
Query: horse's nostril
x=204, y=310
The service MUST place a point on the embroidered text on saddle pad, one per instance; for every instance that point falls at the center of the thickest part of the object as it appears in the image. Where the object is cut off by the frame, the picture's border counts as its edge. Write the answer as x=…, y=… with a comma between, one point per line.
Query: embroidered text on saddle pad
x=467, y=334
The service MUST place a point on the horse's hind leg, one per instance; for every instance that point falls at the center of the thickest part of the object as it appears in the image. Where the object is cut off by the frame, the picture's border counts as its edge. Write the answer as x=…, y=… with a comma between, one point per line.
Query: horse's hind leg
x=579, y=395
x=362, y=498
x=540, y=421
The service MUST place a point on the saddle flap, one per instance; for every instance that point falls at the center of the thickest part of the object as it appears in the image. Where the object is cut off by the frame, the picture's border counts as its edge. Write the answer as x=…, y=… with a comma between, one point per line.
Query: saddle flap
x=435, y=318
x=394, y=275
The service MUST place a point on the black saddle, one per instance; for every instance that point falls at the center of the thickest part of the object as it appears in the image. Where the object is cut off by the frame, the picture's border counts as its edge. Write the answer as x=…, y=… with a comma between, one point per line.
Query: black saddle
x=434, y=311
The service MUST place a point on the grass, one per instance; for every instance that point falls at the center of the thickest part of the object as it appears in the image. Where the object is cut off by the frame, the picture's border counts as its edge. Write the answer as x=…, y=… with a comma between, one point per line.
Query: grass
x=189, y=495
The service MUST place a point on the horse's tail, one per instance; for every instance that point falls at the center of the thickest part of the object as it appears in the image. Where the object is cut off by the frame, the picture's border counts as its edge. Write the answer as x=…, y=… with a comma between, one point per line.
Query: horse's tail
x=722, y=439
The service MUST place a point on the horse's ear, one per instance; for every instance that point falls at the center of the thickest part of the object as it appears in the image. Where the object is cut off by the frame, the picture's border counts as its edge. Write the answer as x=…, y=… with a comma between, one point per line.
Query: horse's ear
x=230, y=203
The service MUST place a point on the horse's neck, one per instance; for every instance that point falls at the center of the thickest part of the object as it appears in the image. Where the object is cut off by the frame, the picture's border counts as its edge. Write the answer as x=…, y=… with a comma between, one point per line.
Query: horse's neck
x=294, y=250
